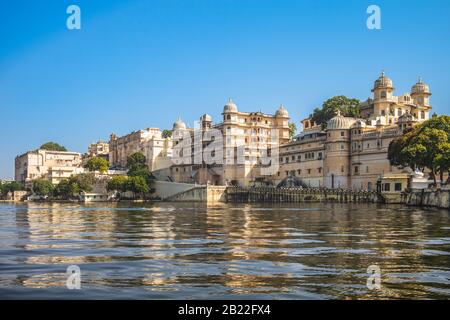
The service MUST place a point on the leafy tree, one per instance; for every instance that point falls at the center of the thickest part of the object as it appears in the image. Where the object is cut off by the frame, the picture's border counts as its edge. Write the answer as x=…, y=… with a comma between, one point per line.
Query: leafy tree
x=167, y=133
x=136, y=161
x=118, y=183
x=10, y=187
x=97, y=164
x=85, y=181
x=53, y=146
x=292, y=130
x=67, y=188
x=42, y=187
x=349, y=107
x=427, y=145
x=145, y=173
x=138, y=185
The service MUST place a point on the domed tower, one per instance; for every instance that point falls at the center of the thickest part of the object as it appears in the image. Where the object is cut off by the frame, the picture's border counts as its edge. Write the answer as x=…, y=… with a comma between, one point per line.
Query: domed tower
x=420, y=92
x=337, y=162
x=383, y=90
x=206, y=121
x=230, y=111
x=282, y=123
x=178, y=129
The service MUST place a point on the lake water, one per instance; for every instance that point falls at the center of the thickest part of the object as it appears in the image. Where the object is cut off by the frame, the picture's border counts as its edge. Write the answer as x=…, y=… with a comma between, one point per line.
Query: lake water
x=229, y=251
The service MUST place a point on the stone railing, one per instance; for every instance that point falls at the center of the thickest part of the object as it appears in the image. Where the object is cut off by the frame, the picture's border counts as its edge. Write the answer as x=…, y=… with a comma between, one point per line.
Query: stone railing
x=278, y=195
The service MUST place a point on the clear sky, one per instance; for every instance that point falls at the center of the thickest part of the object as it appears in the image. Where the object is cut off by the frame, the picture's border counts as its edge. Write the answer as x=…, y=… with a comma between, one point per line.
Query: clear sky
x=142, y=63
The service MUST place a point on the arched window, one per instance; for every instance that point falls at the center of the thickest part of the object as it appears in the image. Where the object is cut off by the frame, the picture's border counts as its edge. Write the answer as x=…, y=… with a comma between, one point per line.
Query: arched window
x=383, y=95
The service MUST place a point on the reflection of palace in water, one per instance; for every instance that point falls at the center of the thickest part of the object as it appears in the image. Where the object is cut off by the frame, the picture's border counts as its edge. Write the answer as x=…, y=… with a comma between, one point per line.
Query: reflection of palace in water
x=246, y=250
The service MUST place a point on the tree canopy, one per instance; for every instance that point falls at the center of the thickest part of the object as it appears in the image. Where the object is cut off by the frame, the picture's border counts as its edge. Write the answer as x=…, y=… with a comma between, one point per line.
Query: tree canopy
x=53, y=146
x=118, y=183
x=10, y=187
x=426, y=146
x=42, y=187
x=292, y=130
x=136, y=161
x=139, y=177
x=167, y=133
x=349, y=107
x=97, y=164
x=67, y=188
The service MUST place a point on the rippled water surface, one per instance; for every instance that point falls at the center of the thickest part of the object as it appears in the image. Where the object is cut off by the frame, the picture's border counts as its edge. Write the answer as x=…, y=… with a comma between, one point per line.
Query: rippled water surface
x=187, y=251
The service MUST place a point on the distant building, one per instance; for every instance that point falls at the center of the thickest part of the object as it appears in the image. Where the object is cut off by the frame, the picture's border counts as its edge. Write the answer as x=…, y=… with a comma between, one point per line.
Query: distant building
x=150, y=142
x=99, y=149
x=51, y=165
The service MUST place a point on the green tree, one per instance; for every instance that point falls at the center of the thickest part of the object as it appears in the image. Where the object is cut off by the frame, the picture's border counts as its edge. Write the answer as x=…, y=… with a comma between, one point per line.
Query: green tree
x=10, y=187
x=167, y=133
x=118, y=183
x=42, y=187
x=136, y=161
x=84, y=181
x=97, y=164
x=65, y=189
x=348, y=107
x=427, y=145
x=53, y=146
x=292, y=130
x=138, y=185
x=145, y=173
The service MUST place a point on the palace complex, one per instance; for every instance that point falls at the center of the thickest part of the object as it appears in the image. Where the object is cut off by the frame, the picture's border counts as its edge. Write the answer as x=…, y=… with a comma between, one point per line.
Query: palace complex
x=349, y=153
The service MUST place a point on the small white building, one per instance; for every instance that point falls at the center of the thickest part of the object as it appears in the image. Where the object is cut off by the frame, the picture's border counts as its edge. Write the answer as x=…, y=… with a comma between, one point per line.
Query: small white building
x=93, y=197
x=418, y=181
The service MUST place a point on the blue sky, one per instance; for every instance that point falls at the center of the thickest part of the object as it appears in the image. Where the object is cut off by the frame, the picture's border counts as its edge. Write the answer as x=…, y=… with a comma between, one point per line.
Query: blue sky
x=142, y=63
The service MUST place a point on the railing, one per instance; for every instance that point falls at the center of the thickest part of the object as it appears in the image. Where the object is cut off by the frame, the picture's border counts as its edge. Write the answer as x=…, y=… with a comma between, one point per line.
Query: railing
x=297, y=195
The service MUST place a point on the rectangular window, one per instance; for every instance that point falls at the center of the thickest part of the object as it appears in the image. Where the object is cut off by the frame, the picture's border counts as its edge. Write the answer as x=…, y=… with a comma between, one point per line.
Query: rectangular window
x=387, y=187
x=398, y=187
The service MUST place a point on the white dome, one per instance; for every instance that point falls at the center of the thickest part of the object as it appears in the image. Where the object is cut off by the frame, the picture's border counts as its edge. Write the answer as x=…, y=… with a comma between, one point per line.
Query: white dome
x=420, y=87
x=179, y=125
x=282, y=112
x=206, y=117
x=383, y=82
x=340, y=122
x=230, y=106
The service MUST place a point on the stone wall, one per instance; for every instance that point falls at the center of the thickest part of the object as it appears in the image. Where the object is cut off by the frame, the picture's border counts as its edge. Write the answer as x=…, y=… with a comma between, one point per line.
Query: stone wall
x=297, y=195
x=206, y=194
x=166, y=189
x=431, y=198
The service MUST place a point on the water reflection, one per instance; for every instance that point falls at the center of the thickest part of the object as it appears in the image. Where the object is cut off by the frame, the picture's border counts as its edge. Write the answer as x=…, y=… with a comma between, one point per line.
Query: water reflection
x=169, y=250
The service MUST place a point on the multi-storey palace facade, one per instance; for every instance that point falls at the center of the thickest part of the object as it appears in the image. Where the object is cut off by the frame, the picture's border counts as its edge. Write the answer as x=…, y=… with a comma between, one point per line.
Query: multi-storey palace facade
x=245, y=136
x=351, y=153
x=45, y=164
x=150, y=142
